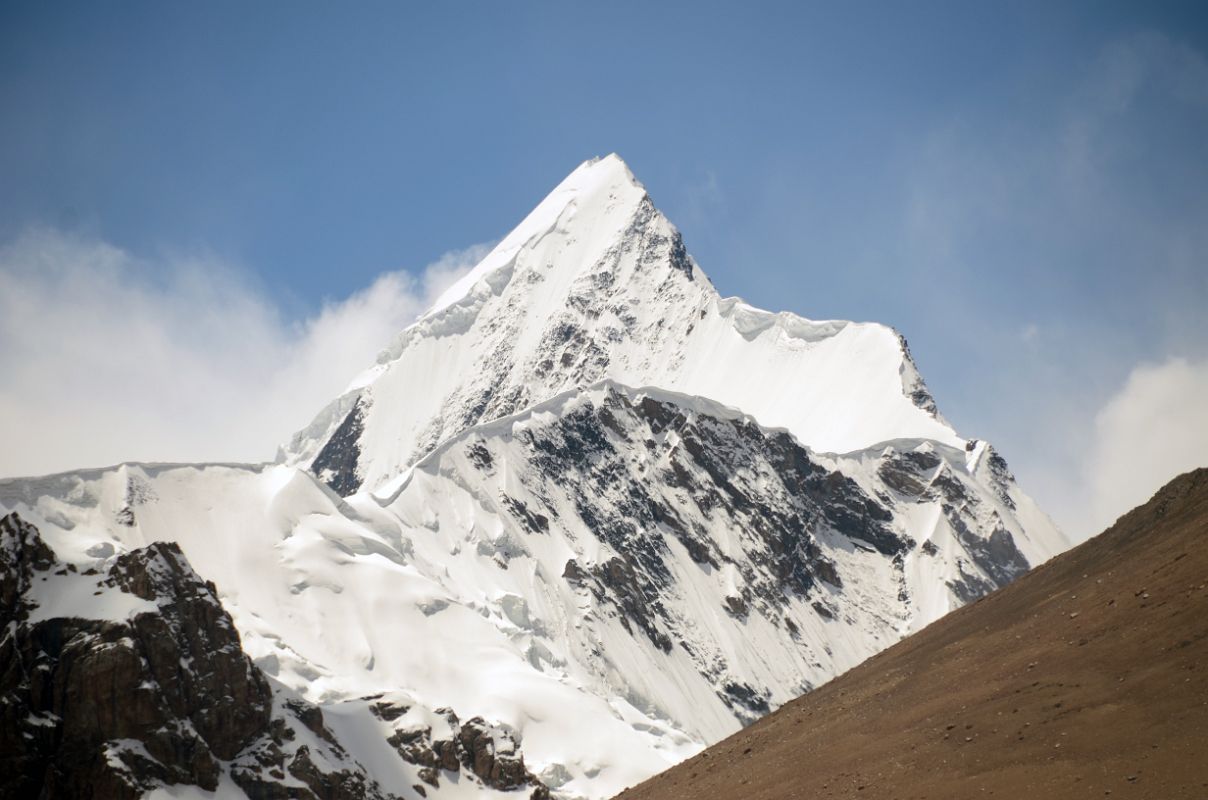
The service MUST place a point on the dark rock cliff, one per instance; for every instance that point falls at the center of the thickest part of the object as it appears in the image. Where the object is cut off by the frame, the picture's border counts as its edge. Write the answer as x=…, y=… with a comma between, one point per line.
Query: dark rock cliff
x=110, y=708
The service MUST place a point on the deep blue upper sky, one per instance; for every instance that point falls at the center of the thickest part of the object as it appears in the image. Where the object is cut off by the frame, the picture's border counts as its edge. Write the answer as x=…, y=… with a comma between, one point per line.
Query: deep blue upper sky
x=319, y=145
x=1021, y=188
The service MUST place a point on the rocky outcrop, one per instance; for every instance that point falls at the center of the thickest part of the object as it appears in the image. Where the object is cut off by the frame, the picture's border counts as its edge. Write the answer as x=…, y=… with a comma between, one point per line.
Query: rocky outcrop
x=192, y=650
x=922, y=476
x=483, y=751
x=291, y=751
x=114, y=707
x=336, y=463
x=22, y=553
x=117, y=706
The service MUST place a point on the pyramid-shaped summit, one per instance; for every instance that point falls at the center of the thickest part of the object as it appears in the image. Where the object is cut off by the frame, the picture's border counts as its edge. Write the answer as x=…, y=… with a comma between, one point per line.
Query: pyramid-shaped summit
x=595, y=283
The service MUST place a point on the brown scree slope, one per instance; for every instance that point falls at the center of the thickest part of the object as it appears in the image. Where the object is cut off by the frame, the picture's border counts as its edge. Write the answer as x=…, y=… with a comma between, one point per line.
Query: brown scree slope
x=1086, y=678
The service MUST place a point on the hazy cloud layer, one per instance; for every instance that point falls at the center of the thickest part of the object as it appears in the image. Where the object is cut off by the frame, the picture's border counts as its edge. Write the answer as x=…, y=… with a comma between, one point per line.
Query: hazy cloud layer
x=107, y=357
x=1154, y=428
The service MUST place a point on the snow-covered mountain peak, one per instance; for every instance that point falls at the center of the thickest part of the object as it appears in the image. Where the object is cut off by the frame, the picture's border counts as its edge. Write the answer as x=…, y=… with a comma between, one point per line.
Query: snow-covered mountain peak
x=602, y=190
x=596, y=283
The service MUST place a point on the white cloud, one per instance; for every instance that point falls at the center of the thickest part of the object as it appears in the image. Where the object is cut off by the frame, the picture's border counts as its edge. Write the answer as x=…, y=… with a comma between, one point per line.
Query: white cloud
x=106, y=357
x=1154, y=428
x=1109, y=455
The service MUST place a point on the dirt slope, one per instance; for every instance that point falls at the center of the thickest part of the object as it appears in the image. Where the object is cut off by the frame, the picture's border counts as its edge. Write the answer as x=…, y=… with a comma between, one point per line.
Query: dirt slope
x=1086, y=678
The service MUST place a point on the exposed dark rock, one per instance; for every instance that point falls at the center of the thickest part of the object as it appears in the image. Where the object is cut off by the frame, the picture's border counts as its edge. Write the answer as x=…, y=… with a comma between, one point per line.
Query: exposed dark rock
x=573, y=572
x=389, y=712
x=112, y=708
x=679, y=256
x=736, y=606
x=909, y=473
x=533, y=522
x=970, y=585
x=137, y=493
x=923, y=398
x=945, y=485
x=636, y=596
x=1000, y=476
x=476, y=748
x=920, y=475
x=919, y=394
x=22, y=553
x=996, y=555
x=312, y=717
x=261, y=777
x=77, y=692
x=744, y=697
x=336, y=464
x=479, y=456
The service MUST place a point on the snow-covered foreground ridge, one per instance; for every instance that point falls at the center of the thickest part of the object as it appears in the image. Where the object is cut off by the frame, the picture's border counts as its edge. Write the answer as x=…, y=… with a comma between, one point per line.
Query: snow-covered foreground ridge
x=605, y=576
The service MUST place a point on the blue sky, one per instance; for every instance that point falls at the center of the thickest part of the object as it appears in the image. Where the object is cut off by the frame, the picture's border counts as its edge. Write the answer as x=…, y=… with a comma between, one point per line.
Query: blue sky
x=1021, y=189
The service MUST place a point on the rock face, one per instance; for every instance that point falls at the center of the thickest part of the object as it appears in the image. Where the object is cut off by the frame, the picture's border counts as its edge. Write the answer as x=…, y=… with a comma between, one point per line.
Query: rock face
x=192, y=650
x=114, y=707
x=336, y=463
x=489, y=753
x=119, y=706
x=299, y=757
x=658, y=510
x=24, y=554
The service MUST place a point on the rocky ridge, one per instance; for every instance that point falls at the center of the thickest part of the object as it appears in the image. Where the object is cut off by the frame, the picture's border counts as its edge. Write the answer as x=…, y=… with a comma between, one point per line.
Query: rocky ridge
x=487, y=751
x=166, y=696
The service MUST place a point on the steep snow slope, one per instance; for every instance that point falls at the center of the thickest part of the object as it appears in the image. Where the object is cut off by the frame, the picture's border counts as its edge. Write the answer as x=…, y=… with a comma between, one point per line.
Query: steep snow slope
x=596, y=283
x=656, y=564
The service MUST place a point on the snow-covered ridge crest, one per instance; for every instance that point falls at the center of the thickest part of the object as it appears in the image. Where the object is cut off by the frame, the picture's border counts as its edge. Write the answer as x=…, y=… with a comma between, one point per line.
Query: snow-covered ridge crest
x=558, y=405
x=597, y=283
